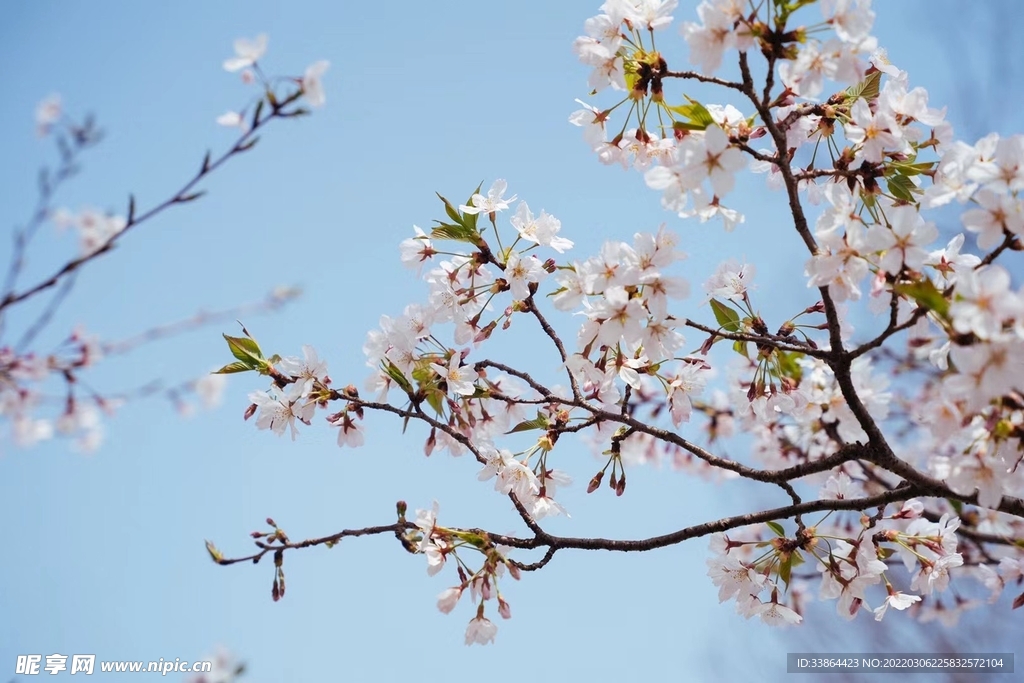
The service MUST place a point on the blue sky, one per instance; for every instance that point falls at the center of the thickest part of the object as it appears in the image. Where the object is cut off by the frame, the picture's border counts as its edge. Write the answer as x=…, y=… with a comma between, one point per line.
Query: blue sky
x=104, y=552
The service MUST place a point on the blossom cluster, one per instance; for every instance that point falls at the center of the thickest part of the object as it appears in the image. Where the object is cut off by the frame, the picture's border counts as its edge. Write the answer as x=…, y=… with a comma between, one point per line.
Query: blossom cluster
x=27, y=377
x=248, y=52
x=436, y=543
x=848, y=566
x=874, y=156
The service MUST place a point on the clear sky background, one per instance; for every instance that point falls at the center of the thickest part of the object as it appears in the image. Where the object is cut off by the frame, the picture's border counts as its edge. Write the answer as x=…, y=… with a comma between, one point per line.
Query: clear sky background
x=103, y=553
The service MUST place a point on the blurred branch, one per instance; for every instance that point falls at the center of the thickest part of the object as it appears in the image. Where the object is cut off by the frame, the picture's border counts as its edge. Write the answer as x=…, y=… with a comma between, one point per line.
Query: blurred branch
x=184, y=195
x=273, y=301
x=82, y=138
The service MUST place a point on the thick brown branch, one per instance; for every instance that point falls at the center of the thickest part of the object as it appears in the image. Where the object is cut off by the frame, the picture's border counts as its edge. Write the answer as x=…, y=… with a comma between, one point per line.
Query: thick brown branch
x=696, y=76
x=554, y=543
x=772, y=340
x=793, y=194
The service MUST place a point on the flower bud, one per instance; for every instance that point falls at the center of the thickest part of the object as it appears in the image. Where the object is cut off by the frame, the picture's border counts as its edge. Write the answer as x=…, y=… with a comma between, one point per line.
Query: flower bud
x=816, y=308
x=621, y=487
x=485, y=333
x=706, y=346
x=250, y=411
x=595, y=482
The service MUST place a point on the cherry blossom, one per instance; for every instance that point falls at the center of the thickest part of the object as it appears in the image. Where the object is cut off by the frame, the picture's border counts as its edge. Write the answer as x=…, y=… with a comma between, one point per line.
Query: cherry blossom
x=851, y=19
x=416, y=250
x=924, y=397
x=542, y=230
x=709, y=40
x=247, y=53
x=48, y=112
x=494, y=201
x=715, y=160
x=448, y=598
x=896, y=600
x=456, y=376
x=730, y=280
x=480, y=630
x=312, y=83
x=233, y=119
x=874, y=132
x=998, y=214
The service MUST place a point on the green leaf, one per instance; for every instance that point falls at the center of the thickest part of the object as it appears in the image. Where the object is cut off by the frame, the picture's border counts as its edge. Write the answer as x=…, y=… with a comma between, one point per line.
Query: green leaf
x=245, y=349
x=436, y=400
x=728, y=319
x=786, y=568
x=926, y=294
x=686, y=125
x=909, y=169
x=696, y=114
x=469, y=219
x=459, y=233
x=776, y=529
x=475, y=539
x=793, y=559
x=740, y=347
x=400, y=379
x=957, y=505
x=868, y=88
x=237, y=366
x=215, y=554
x=540, y=422
x=788, y=365
x=423, y=373
x=630, y=76
x=902, y=187
x=450, y=210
